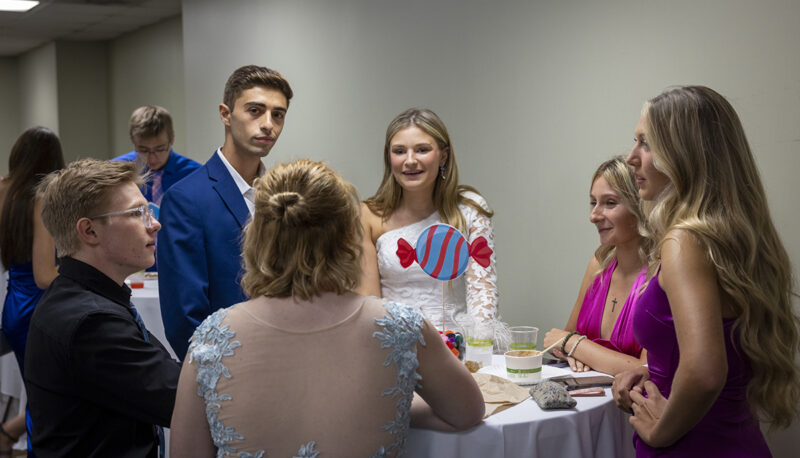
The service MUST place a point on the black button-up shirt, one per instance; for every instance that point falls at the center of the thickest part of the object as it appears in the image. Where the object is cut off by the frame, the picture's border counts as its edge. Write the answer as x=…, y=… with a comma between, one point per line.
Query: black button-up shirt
x=95, y=386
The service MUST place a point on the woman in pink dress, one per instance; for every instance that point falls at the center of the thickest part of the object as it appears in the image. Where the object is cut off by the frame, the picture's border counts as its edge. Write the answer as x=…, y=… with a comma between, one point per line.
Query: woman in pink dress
x=599, y=332
x=716, y=315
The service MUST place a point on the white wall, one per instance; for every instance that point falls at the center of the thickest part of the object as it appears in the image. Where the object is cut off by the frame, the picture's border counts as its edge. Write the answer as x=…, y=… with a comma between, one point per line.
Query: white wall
x=38, y=89
x=146, y=68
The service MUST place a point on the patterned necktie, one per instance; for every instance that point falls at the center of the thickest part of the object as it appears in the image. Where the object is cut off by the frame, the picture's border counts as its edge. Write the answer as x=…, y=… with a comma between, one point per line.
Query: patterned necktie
x=146, y=335
x=155, y=188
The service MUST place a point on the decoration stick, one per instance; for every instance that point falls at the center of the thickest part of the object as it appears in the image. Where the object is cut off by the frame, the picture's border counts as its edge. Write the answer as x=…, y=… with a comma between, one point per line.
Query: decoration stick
x=552, y=346
x=443, y=326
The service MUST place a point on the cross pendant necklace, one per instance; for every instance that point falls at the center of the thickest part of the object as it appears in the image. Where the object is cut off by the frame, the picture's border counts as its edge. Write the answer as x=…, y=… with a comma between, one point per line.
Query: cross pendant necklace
x=613, y=304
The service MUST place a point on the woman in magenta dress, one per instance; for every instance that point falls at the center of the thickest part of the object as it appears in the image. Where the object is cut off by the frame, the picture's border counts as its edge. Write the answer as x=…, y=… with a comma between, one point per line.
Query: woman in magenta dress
x=716, y=315
x=599, y=332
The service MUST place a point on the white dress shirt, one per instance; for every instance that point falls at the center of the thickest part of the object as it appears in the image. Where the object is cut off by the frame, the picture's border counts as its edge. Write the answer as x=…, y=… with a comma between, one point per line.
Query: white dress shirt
x=248, y=193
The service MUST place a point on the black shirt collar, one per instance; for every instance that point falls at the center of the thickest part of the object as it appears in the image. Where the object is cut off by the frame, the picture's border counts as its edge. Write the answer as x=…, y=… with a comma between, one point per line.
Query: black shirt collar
x=94, y=280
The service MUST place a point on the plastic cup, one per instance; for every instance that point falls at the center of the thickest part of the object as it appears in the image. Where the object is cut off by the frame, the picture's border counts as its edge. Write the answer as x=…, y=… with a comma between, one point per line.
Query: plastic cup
x=524, y=366
x=479, y=350
x=523, y=337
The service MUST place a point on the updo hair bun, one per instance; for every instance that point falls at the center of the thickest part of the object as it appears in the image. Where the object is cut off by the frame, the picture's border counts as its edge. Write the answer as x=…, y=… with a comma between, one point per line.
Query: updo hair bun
x=289, y=208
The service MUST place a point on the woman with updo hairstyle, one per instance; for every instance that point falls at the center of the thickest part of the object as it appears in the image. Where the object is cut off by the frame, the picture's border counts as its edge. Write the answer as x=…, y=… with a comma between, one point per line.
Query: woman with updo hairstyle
x=420, y=187
x=716, y=314
x=275, y=375
x=599, y=332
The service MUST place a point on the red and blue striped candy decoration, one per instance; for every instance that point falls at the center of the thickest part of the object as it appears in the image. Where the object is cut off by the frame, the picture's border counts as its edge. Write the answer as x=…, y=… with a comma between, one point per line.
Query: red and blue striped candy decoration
x=442, y=252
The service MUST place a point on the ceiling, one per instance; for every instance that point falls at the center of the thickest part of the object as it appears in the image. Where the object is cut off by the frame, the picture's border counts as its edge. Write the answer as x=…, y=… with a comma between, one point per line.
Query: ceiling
x=78, y=20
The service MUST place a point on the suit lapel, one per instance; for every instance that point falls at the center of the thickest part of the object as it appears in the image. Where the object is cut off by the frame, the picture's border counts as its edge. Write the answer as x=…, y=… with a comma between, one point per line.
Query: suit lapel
x=223, y=184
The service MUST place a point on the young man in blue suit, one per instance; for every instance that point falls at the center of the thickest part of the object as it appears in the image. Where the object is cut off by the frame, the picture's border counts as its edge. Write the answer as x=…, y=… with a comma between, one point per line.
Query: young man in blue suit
x=152, y=136
x=202, y=217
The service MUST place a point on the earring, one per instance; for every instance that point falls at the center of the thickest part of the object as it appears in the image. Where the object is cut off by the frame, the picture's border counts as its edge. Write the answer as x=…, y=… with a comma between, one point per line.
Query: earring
x=441, y=172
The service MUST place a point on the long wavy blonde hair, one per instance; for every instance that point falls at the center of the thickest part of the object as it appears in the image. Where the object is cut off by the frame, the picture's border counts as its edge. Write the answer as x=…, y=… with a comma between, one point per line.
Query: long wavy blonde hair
x=447, y=193
x=716, y=194
x=621, y=179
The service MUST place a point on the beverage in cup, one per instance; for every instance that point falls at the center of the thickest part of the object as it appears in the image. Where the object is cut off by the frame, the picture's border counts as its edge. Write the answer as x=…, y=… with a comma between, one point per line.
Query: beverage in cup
x=523, y=337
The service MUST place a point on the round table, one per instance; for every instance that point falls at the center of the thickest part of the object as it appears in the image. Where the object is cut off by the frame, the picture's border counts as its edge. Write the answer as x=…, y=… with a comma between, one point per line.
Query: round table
x=594, y=428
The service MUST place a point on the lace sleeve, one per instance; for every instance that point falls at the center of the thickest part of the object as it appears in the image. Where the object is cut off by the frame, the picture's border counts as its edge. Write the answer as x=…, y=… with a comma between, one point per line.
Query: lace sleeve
x=482, y=295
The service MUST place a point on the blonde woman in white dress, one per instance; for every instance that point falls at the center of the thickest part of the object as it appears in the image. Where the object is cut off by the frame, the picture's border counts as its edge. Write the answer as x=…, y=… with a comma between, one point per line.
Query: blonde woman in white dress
x=419, y=188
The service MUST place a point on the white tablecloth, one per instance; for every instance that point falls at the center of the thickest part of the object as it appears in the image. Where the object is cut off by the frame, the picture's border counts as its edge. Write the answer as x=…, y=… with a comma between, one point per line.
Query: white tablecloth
x=594, y=428
x=146, y=302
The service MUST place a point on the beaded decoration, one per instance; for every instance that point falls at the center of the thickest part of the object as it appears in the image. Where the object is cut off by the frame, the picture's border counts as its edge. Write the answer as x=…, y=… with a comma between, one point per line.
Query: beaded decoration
x=455, y=342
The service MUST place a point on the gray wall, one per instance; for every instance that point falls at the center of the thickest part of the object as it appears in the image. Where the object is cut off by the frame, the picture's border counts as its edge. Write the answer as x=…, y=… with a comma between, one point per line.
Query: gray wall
x=535, y=95
x=9, y=109
x=86, y=91
x=83, y=99
x=146, y=68
x=38, y=89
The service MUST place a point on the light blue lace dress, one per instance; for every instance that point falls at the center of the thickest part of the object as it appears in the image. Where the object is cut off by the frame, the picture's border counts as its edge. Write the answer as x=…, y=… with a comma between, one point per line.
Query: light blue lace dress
x=217, y=351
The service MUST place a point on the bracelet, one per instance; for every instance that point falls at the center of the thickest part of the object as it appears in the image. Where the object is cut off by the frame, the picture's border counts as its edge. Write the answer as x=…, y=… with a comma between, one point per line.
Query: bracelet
x=569, y=355
x=564, y=342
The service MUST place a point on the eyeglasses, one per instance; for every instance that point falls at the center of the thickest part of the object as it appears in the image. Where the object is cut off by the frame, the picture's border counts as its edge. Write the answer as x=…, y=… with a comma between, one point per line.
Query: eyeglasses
x=142, y=211
x=158, y=150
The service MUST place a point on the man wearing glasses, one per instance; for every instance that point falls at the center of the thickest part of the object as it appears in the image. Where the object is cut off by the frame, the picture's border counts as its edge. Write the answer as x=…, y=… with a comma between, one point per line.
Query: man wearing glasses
x=98, y=383
x=152, y=136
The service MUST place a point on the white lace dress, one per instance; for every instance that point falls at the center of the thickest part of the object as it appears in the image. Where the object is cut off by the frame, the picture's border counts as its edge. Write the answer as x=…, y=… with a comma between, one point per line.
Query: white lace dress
x=473, y=295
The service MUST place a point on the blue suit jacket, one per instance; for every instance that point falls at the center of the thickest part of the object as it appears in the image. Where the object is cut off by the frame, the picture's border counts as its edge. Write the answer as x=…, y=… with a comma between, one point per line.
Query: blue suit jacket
x=176, y=168
x=199, y=250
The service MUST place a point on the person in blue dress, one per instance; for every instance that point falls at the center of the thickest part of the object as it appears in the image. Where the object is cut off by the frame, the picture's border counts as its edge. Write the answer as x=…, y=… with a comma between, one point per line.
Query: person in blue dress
x=26, y=248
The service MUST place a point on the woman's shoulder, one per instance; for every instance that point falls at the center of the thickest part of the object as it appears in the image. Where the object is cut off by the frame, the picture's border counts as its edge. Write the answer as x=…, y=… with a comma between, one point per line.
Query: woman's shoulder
x=369, y=217
x=400, y=326
x=474, y=207
x=471, y=194
x=396, y=312
x=213, y=335
x=681, y=242
x=595, y=266
x=371, y=222
x=592, y=276
x=682, y=254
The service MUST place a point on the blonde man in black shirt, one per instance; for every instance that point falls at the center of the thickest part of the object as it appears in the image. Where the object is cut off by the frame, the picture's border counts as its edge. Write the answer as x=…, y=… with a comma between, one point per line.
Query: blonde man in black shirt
x=98, y=383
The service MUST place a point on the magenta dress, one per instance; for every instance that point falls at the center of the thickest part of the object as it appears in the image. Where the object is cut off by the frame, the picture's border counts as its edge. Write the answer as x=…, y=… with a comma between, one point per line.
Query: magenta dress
x=590, y=318
x=729, y=428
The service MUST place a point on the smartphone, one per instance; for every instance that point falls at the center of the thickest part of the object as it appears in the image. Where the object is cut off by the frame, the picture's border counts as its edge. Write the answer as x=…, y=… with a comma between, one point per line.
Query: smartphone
x=574, y=383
